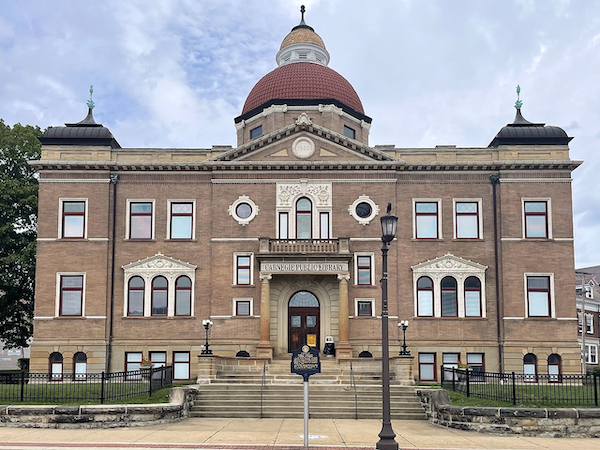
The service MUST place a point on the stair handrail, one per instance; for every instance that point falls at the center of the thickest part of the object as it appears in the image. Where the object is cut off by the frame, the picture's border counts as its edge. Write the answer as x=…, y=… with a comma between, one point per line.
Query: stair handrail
x=262, y=387
x=353, y=384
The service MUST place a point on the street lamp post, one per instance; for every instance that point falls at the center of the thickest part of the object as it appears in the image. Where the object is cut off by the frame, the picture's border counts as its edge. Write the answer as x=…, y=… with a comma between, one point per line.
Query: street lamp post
x=389, y=223
x=207, y=326
x=404, y=325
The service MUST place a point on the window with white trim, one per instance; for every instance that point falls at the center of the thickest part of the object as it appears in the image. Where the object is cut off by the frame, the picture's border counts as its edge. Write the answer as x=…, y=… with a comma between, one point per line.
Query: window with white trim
x=243, y=269
x=242, y=306
x=537, y=218
x=539, y=295
x=73, y=218
x=363, y=269
x=303, y=210
x=589, y=324
x=591, y=353
x=181, y=219
x=427, y=223
x=70, y=294
x=140, y=219
x=425, y=297
x=364, y=307
x=467, y=219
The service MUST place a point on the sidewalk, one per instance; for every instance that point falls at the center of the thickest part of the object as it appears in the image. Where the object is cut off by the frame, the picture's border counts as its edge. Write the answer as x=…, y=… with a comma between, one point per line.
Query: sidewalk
x=259, y=434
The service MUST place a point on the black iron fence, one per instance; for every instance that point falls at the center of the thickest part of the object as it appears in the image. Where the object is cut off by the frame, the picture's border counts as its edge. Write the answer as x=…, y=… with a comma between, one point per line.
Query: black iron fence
x=83, y=388
x=529, y=389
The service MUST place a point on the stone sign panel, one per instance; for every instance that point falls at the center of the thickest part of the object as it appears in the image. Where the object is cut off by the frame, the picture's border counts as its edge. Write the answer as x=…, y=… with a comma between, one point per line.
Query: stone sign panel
x=304, y=267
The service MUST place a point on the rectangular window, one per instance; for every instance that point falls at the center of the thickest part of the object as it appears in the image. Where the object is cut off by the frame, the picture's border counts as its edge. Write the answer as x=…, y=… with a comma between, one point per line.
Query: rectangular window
x=243, y=269
x=324, y=225
x=158, y=359
x=427, y=367
x=363, y=270
x=476, y=361
x=589, y=324
x=591, y=353
x=132, y=363
x=364, y=307
x=181, y=220
x=536, y=219
x=426, y=220
x=538, y=296
x=467, y=220
x=243, y=308
x=449, y=361
x=71, y=295
x=256, y=132
x=73, y=219
x=283, y=225
x=181, y=365
x=140, y=220
x=350, y=132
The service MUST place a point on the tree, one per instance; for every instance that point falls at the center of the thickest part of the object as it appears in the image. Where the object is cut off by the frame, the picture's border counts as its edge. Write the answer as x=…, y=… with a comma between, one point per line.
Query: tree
x=18, y=231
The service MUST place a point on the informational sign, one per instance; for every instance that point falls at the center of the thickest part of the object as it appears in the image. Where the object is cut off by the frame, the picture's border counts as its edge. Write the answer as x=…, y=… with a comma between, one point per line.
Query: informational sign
x=306, y=361
x=292, y=266
x=311, y=340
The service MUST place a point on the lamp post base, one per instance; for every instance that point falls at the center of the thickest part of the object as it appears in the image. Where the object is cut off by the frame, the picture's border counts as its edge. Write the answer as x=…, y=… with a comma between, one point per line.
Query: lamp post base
x=386, y=439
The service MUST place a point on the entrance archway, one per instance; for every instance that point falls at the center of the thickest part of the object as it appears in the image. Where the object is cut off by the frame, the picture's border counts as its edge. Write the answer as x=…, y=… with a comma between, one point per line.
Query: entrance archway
x=304, y=320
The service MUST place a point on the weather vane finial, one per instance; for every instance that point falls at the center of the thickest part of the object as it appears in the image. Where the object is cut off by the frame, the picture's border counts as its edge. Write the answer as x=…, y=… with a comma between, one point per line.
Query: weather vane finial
x=90, y=102
x=519, y=102
x=302, y=10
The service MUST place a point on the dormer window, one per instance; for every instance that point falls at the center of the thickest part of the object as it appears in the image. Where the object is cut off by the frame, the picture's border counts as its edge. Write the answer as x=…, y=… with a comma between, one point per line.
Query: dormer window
x=350, y=132
x=256, y=132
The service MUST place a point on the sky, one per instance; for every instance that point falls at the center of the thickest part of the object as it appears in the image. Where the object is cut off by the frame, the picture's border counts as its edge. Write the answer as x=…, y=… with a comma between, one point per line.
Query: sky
x=176, y=73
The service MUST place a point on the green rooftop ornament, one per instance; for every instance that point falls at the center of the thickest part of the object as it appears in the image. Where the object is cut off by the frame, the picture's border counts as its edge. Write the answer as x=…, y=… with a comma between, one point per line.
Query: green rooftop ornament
x=519, y=102
x=90, y=102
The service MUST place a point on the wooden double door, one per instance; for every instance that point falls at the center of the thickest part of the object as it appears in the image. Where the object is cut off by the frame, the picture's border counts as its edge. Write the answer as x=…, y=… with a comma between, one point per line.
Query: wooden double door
x=304, y=321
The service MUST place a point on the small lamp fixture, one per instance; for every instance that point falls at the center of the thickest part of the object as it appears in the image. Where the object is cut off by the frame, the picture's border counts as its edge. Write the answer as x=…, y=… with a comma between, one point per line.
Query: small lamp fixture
x=404, y=325
x=207, y=323
x=389, y=225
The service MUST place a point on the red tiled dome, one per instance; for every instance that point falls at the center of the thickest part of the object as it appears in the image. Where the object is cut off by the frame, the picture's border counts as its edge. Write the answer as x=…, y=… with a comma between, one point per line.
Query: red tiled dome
x=304, y=81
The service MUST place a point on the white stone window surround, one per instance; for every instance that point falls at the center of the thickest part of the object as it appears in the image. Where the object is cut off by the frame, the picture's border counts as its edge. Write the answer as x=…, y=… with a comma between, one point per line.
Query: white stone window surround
x=371, y=300
x=439, y=216
x=551, y=288
x=148, y=269
x=371, y=203
x=454, y=266
x=371, y=255
x=548, y=201
x=243, y=299
x=57, y=297
x=240, y=220
x=62, y=200
x=235, y=268
x=479, y=215
x=320, y=195
x=185, y=200
x=591, y=353
x=129, y=201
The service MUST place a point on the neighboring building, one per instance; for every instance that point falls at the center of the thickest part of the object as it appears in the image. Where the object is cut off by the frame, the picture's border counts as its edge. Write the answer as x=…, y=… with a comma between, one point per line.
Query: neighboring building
x=9, y=357
x=588, y=306
x=278, y=240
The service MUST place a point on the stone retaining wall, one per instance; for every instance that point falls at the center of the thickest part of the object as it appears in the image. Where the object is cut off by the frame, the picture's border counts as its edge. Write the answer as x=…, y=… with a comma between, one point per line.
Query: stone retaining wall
x=100, y=416
x=545, y=422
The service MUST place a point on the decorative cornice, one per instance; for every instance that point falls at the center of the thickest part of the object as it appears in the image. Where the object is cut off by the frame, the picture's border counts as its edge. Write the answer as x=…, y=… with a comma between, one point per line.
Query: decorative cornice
x=448, y=262
x=159, y=261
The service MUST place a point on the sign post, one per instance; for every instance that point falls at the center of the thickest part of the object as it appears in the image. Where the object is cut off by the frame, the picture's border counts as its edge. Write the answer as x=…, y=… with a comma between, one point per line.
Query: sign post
x=306, y=362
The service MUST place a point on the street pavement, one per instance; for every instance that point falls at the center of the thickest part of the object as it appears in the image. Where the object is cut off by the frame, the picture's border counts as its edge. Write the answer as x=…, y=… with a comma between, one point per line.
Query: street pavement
x=278, y=434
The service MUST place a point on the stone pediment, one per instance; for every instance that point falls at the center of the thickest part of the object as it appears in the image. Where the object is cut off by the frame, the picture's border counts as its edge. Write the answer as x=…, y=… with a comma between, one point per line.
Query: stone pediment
x=304, y=142
x=159, y=262
x=448, y=264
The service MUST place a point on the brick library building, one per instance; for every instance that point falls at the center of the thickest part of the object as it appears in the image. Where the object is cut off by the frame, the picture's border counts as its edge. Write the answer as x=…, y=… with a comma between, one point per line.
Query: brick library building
x=278, y=240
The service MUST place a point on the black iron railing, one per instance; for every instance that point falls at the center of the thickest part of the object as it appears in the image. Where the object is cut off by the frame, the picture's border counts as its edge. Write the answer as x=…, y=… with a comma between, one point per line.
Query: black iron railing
x=71, y=388
x=529, y=389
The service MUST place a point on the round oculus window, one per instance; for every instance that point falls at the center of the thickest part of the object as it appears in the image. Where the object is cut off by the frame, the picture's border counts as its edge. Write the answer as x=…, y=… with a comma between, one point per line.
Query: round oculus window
x=363, y=210
x=243, y=210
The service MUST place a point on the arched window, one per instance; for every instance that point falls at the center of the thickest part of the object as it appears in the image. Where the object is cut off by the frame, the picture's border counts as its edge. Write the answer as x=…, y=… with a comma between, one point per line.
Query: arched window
x=303, y=218
x=135, y=298
x=424, y=296
x=56, y=366
x=472, y=297
x=554, y=368
x=160, y=288
x=530, y=367
x=449, y=300
x=80, y=365
x=183, y=296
